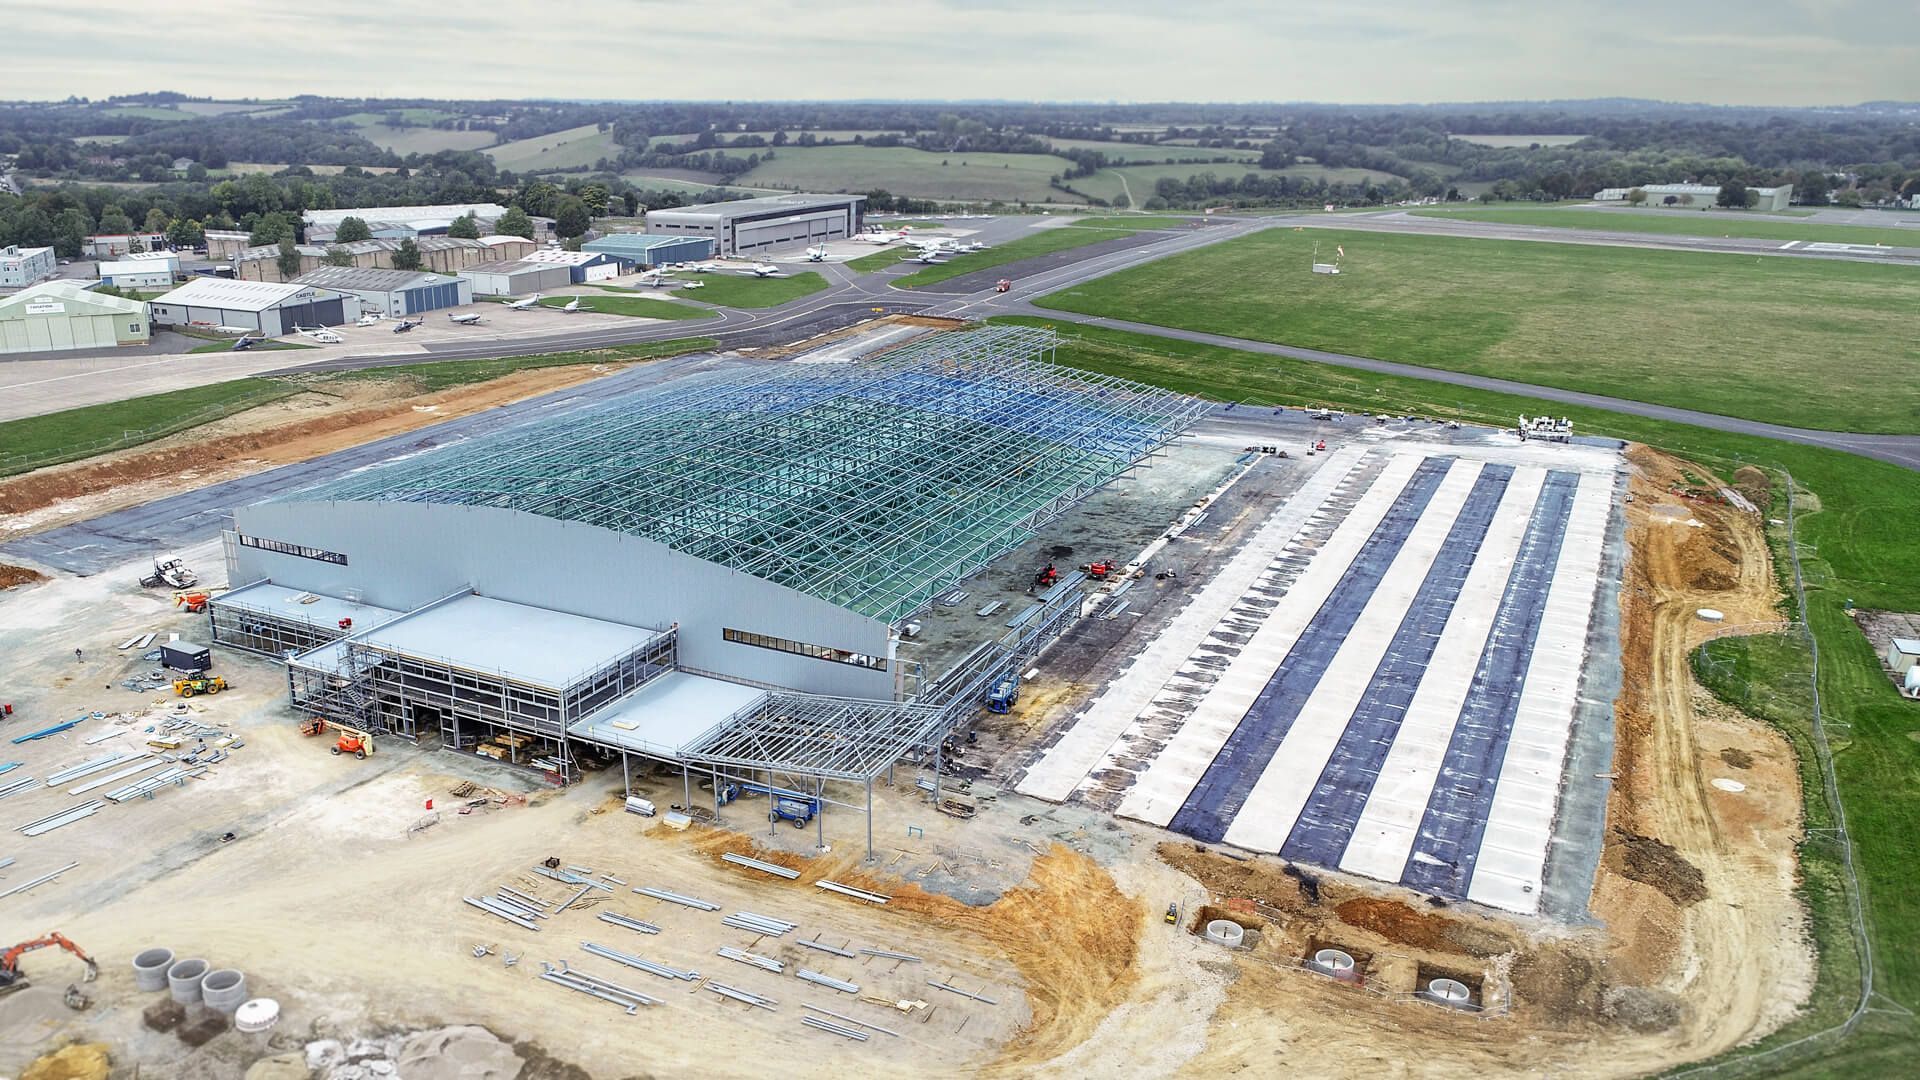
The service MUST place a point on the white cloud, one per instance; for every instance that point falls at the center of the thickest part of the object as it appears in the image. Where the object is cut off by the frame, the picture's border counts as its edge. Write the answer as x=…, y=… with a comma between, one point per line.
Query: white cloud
x=1754, y=52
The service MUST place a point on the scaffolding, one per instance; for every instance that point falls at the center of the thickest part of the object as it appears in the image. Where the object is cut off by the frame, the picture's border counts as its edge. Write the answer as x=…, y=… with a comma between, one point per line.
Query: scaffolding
x=875, y=486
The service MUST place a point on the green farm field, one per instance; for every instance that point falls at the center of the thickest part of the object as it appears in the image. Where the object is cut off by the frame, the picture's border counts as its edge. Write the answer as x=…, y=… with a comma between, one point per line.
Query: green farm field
x=1686, y=223
x=1853, y=531
x=424, y=140
x=567, y=149
x=906, y=171
x=1139, y=180
x=1153, y=153
x=1802, y=342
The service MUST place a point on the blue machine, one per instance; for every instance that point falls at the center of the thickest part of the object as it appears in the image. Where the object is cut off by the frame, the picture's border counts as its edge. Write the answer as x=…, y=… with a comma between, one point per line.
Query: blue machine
x=795, y=806
x=1004, y=695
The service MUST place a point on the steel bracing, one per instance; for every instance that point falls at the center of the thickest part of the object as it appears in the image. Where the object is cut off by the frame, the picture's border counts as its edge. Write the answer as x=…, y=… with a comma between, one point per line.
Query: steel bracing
x=821, y=737
x=875, y=486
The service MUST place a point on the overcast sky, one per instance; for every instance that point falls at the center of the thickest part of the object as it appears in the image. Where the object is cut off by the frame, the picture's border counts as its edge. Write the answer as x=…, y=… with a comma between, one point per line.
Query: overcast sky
x=1759, y=52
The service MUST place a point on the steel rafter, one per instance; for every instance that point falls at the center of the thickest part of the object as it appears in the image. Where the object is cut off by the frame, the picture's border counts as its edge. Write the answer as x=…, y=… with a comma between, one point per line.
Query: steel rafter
x=874, y=485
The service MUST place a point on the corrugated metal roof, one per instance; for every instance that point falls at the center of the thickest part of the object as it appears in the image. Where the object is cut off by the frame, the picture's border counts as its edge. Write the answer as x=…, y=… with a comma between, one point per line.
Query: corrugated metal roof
x=563, y=258
x=507, y=266
x=368, y=279
x=1910, y=646
x=69, y=291
x=764, y=204
x=370, y=214
x=237, y=295
x=624, y=243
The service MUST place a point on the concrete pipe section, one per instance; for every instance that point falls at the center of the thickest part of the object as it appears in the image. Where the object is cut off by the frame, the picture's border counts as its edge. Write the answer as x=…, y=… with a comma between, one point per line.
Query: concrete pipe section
x=224, y=990
x=256, y=1016
x=150, y=968
x=183, y=981
x=1335, y=963
x=1226, y=932
x=1451, y=993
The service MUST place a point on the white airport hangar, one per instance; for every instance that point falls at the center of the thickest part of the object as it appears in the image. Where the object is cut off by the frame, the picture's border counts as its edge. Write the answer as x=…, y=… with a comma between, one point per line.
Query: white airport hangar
x=271, y=308
x=751, y=225
x=59, y=315
x=712, y=573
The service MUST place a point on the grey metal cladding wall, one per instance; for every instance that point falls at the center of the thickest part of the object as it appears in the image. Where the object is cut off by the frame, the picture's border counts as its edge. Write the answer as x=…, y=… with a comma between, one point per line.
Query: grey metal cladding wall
x=402, y=555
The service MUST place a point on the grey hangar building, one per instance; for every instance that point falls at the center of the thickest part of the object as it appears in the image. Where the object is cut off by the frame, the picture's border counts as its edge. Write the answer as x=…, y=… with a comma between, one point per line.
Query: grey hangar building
x=746, y=226
x=714, y=573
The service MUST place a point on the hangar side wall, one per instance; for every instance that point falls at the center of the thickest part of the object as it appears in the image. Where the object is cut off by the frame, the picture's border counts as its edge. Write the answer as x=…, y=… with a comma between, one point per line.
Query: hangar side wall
x=402, y=555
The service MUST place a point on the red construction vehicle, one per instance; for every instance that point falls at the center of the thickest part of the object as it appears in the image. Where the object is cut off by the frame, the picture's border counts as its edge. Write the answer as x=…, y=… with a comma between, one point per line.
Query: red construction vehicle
x=10, y=977
x=1100, y=571
x=352, y=741
x=1321, y=445
x=195, y=602
x=1047, y=576
x=1002, y=285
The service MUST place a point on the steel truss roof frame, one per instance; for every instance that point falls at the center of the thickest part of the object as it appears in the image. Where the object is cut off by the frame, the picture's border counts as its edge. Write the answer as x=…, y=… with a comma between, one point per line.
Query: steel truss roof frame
x=875, y=486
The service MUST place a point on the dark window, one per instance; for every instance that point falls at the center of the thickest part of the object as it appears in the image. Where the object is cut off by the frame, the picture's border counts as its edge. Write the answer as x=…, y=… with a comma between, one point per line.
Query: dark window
x=300, y=550
x=801, y=648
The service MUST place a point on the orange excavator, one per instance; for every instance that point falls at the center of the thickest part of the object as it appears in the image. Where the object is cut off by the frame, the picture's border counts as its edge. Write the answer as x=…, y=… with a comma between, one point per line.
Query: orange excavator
x=10, y=977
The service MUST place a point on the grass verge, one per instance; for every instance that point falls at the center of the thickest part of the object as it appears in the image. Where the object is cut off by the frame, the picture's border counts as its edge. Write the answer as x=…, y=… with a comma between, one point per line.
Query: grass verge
x=38, y=441
x=638, y=307
x=1043, y=242
x=269, y=345
x=1685, y=223
x=1736, y=335
x=741, y=291
x=444, y=374
x=1855, y=536
x=881, y=259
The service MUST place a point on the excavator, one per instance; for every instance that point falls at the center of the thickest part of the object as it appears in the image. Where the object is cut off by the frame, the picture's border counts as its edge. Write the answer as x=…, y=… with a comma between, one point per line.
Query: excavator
x=11, y=979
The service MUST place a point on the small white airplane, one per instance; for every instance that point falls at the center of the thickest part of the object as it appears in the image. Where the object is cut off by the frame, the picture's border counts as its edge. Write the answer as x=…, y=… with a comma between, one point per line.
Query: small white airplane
x=525, y=305
x=761, y=270
x=573, y=305
x=929, y=255
x=817, y=253
x=656, y=278
x=471, y=318
x=319, y=334
x=878, y=237
x=689, y=284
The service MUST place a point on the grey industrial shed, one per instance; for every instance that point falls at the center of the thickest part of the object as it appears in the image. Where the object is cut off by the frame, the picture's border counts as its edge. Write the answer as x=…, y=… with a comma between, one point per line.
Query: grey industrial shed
x=272, y=308
x=514, y=277
x=751, y=225
x=654, y=249
x=393, y=292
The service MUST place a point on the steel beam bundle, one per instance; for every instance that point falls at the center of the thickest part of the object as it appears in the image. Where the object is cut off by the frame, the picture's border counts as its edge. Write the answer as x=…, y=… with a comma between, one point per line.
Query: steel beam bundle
x=676, y=898
x=638, y=963
x=827, y=980
x=571, y=879
x=908, y=957
x=65, y=817
x=848, y=953
x=763, y=867
x=150, y=784
x=14, y=787
x=759, y=924
x=44, y=732
x=495, y=907
x=631, y=924
x=952, y=989
x=119, y=774
x=594, y=986
x=518, y=906
x=857, y=894
x=75, y=772
x=41, y=880
x=837, y=1029
x=765, y=963
x=737, y=994
x=851, y=1020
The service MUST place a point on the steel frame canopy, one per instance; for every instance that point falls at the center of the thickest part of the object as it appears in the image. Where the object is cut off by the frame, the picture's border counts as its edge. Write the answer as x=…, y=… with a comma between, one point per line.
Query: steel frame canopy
x=830, y=738
x=875, y=486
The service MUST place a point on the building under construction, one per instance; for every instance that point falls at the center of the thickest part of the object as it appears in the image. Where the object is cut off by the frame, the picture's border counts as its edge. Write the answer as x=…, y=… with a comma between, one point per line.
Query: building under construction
x=714, y=573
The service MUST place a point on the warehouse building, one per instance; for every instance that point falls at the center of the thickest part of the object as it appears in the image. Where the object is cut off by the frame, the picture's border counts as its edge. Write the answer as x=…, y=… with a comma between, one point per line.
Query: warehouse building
x=59, y=315
x=651, y=250
x=709, y=572
x=512, y=277
x=20, y=267
x=270, y=308
x=402, y=222
x=114, y=245
x=393, y=292
x=1702, y=195
x=753, y=225
x=582, y=266
x=226, y=243
x=139, y=273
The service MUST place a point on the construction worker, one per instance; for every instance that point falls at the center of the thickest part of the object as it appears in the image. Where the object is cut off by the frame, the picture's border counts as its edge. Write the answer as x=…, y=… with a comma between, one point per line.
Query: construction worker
x=79, y=657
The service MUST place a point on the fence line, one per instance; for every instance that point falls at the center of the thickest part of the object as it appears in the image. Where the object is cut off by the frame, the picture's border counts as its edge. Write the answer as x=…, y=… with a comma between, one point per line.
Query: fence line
x=19, y=463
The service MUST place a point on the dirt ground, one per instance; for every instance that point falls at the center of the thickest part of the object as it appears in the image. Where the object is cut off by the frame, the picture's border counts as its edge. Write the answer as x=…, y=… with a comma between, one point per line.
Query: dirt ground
x=343, y=413
x=341, y=894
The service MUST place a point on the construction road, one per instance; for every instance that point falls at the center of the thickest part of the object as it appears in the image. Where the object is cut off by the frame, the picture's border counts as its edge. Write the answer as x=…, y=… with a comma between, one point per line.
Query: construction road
x=32, y=387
